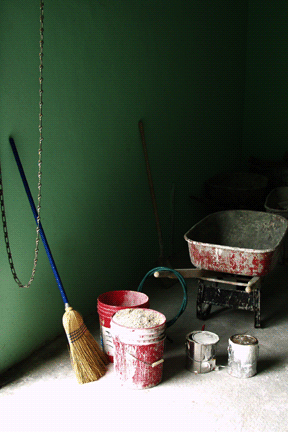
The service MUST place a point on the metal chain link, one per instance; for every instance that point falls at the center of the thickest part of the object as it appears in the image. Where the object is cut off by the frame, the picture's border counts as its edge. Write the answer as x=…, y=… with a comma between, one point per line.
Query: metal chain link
x=39, y=171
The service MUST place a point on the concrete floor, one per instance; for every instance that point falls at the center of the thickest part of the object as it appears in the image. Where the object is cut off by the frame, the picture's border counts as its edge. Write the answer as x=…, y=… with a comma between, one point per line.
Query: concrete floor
x=43, y=395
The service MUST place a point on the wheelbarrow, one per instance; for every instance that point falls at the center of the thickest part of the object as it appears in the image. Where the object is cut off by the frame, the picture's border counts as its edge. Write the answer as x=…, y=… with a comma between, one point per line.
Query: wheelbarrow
x=231, y=251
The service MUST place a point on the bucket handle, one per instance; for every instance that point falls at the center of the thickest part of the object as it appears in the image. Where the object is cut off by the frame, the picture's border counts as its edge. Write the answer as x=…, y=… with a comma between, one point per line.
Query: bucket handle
x=148, y=364
x=182, y=282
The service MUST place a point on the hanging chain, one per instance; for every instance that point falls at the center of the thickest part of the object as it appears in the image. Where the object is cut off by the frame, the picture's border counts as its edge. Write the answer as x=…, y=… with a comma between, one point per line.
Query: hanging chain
x=39, y=171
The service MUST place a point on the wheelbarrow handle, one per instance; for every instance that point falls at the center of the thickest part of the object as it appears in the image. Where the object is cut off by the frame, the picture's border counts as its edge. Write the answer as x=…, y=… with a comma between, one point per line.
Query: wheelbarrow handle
x=252, y=284
x=35, y=214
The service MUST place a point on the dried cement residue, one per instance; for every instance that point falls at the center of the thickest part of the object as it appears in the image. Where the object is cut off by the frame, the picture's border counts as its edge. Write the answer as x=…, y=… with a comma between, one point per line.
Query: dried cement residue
x=138, y=318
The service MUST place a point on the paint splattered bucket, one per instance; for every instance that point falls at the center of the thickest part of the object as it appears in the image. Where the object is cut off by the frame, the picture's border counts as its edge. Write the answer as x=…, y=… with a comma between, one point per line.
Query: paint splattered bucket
x=201, y=351
x=243, y=352
x=108, y=304
x=139, y=347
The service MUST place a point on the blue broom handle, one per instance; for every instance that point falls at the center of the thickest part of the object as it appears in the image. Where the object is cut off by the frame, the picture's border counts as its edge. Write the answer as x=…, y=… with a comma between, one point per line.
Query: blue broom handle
x=41, y=230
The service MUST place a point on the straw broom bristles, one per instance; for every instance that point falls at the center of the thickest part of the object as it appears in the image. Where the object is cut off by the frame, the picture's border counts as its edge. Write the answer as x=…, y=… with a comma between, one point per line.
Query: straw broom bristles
x=88, y=360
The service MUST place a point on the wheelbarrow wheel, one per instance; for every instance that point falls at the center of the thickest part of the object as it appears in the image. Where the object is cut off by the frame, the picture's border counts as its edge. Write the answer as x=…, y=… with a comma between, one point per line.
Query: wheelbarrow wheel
x=203, y=311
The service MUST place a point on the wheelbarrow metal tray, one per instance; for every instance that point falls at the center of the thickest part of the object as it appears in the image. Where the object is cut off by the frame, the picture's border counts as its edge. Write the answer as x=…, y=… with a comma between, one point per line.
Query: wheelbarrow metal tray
x=243, y=242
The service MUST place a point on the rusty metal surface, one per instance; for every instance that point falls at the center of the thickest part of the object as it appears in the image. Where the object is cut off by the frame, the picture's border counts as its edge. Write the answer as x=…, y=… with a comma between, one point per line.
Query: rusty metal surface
x=243, y=242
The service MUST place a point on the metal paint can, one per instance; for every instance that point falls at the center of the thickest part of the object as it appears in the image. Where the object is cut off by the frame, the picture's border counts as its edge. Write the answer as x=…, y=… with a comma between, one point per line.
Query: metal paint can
x=243, y=353
x=201, y=351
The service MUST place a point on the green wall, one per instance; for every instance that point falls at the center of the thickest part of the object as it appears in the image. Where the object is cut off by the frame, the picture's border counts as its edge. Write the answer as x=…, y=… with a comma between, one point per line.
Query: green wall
x=265, y=132
x=180, y=67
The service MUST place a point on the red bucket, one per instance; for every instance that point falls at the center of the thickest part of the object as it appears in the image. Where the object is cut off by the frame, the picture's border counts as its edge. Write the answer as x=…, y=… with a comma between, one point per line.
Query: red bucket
x=138, y=355
x=108, y=304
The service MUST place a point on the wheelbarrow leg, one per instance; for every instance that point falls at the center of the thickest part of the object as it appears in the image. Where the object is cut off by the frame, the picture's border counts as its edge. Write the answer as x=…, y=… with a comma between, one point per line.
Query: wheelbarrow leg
x=202, y=309
x=257, y=314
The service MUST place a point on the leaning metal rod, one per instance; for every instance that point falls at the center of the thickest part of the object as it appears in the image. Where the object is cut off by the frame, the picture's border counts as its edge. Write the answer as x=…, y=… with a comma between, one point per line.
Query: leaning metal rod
x=41, y=230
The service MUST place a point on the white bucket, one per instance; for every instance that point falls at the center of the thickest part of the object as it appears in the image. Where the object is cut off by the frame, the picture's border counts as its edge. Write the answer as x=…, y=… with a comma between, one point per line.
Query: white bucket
x=138, y=354
x=201, y=351
x=243, y=353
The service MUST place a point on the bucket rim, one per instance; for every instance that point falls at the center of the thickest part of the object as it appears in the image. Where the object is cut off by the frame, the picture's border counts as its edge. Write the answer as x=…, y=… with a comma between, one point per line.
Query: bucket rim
x=123, y=339
x=163, y=324
x=101, y=297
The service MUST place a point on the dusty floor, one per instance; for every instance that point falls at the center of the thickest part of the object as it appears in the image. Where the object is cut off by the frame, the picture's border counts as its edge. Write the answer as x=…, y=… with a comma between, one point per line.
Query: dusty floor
x=43, y=394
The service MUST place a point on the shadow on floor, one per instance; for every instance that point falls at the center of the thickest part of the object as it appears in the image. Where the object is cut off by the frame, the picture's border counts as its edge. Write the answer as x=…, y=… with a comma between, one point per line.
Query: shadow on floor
x=266, y=364
x=174, y=366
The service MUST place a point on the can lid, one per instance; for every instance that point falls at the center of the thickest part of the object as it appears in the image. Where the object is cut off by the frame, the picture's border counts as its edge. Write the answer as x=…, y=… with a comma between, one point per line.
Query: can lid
x=244, y=339
x=204, y=337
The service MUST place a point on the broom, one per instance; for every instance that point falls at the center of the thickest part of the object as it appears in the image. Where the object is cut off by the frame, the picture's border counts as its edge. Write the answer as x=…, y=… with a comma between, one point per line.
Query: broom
x=88, y=360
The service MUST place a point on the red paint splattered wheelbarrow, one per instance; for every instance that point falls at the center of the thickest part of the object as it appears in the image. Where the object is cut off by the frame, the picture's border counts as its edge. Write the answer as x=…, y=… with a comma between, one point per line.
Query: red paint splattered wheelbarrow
x=231, y=251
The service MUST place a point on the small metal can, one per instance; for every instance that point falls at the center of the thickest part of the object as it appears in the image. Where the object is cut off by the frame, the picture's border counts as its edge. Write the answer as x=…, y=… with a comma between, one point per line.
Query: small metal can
x=201, y=351
x=243, y=353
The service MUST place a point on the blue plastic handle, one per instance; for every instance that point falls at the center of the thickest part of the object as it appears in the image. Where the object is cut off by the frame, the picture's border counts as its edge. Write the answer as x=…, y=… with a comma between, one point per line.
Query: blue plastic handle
x=35, y=214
